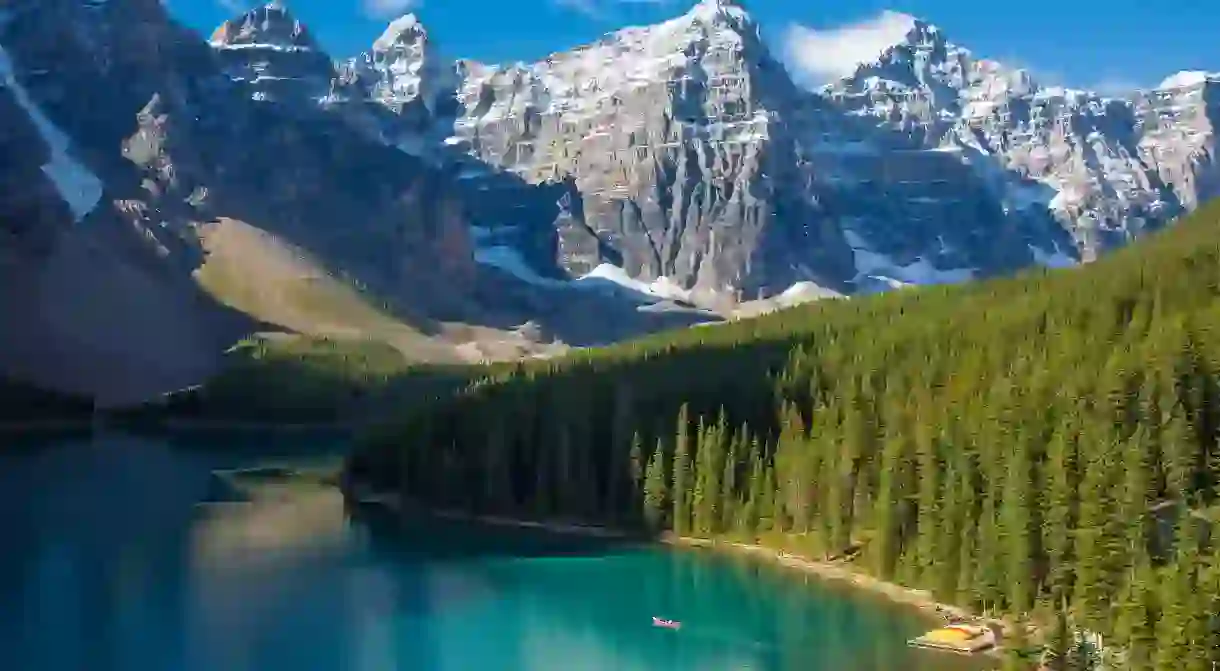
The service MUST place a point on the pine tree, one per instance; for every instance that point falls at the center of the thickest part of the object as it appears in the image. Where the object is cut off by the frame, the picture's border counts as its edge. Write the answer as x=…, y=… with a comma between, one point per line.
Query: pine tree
x=729, y=507
x=1179, y=630
x=637, y=465
x=682, y=480
x=1093, y=591
x=886, y=544
x=754, y=506
x=1059, y=519
x=656, y=491
x=1134, y=626
x=1017, y=527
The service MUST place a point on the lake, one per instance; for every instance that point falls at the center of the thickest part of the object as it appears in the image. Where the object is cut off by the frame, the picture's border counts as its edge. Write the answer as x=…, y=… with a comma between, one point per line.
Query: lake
x=132, y=554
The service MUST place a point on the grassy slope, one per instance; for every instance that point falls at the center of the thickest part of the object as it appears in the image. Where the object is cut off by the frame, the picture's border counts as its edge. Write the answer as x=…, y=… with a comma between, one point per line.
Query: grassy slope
x=308, y=379
x=253, y=272
x=335, y=353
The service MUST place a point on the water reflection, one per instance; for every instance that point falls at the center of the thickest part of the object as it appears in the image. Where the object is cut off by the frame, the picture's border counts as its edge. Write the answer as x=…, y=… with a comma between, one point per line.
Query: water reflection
x=119, y=555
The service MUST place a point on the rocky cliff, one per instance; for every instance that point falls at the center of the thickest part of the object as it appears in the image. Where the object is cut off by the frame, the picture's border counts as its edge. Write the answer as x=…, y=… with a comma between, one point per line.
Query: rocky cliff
x=687, y=156
x=143, y=165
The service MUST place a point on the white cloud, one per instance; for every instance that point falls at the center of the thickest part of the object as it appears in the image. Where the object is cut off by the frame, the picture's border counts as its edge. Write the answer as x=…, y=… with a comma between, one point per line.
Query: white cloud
x=818, y=56
x=388, y=9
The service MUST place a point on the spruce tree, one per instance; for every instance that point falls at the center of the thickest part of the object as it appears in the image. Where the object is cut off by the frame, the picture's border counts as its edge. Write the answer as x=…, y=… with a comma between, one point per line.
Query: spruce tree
x=656, y=490
x=682, y=476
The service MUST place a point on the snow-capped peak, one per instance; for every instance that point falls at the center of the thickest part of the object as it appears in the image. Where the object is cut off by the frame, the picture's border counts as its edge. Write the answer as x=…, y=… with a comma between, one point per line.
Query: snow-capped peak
x=895, y=32
x=708, y=9
x=270, y=26
x=914, y=34
x=911, y=53
x=403, y=66
x=1188, y=79
x=405, y=29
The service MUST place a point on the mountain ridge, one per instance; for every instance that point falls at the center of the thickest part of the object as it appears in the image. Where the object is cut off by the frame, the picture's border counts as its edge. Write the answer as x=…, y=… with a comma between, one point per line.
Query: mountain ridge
x=922, y=93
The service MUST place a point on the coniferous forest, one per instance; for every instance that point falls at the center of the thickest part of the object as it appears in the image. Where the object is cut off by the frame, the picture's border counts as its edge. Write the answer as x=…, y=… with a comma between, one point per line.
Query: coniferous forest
x=1042, y=448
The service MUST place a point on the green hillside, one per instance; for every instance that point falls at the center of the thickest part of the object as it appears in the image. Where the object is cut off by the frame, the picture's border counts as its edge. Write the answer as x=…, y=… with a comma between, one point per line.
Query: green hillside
x=293, y=378
x=1013, y=446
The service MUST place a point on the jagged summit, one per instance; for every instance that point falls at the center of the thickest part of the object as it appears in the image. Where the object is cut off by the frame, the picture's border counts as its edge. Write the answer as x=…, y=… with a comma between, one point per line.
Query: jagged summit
x=402, y=67
x=717, y=14
x=276, y=56
x=912, y=38
x=271, y=26
x=406, y=29
x=920, y=56
x=691, y=126
x=706, y=8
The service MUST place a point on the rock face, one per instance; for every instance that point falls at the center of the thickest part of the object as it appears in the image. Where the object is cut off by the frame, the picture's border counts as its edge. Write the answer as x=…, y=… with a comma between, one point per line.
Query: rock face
x=276, y=56
x=128, y=134
x=1103, y=168
x=684, y=151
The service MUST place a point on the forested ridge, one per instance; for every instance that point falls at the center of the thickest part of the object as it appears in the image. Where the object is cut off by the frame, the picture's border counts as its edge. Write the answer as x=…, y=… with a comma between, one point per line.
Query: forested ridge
x=1042, y=447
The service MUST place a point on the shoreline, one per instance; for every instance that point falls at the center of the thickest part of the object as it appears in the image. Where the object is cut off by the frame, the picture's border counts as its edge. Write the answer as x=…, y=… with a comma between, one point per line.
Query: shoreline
x=229, y=424
x=839, y=572
x=45, y=425
x=174, y=424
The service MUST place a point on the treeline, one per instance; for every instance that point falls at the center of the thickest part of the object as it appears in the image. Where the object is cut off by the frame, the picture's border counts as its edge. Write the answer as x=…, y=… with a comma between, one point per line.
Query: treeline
x=307, y=379
x=24, y=402
x=1042, y=448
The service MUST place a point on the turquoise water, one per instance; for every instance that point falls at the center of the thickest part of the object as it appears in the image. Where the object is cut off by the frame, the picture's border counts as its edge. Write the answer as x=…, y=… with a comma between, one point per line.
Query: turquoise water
x=130, y=554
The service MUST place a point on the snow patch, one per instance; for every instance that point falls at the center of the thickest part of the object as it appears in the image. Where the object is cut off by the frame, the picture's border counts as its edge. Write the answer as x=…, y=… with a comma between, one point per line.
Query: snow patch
x=662, y=287
x=77, y=185
x=395, y=30
x=1056, y=259
x=244, y=46
x=509, y=260
x=802, y=292
x=877, y=267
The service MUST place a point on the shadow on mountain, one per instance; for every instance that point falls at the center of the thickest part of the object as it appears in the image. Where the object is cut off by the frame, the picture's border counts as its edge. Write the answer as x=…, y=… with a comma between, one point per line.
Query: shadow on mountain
x=388, y=222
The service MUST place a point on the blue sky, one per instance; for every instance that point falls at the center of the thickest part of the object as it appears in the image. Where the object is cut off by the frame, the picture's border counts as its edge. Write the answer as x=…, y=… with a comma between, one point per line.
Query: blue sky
x=1104, y=44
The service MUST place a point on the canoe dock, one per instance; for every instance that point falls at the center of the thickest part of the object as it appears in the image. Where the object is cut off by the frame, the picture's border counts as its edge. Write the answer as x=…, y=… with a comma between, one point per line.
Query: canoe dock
x=965, y=639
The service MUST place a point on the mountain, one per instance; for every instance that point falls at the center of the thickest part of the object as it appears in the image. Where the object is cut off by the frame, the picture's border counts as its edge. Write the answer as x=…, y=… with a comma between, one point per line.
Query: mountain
x=1102, y=168
x=692, y=158
x=169, y=195
x=276, y=55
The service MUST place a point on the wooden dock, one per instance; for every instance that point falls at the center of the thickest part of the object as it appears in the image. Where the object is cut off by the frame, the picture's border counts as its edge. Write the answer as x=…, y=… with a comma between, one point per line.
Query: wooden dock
x=963, y=639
